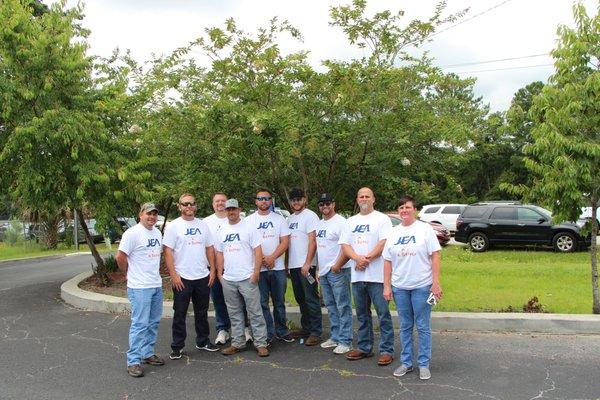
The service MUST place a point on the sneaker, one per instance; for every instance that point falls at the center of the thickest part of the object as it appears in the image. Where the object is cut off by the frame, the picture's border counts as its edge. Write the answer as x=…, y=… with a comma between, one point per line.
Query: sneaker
x=269, y=341
x=328, y=344
x=286, y=338
x=222, y=337
x=175, y=354
x=262, y=351
x=153, y=360
x=402, y=370
x=312, y=340
x=424, y=373
x=135, y=370
x=208, y=347
x=341, y=349
x=248, y=334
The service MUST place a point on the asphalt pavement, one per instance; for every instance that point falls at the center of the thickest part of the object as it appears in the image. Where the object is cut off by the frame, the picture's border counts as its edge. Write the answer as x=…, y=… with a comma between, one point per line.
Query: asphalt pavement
x=53, y=351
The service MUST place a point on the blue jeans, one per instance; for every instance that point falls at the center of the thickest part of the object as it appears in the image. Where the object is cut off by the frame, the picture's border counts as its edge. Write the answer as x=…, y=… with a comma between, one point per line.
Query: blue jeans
x=413, y=309
x=274, y=283
x=222, y=322
x=146, y=310
x=364, y=294
x=307, y=297
x=336, y=295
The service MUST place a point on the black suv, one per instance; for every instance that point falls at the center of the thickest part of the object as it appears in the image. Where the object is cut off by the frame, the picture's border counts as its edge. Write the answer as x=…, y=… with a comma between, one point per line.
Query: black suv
x=483, y=224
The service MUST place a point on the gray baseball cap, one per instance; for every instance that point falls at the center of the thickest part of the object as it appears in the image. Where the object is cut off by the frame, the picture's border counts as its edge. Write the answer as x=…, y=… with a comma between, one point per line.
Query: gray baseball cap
x=147, y=207
x=232, y=203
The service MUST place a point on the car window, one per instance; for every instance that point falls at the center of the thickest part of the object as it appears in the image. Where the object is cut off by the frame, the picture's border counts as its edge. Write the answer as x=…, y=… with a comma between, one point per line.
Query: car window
x=451, y=210
x=474, y=212
x=503, y=213
x=527, y=214
x=431, y=210
x=395, y=221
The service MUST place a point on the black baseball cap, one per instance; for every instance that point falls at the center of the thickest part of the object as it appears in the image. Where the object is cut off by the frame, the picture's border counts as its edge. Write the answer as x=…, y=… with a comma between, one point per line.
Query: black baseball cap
x=297, y=193
x=325, y=197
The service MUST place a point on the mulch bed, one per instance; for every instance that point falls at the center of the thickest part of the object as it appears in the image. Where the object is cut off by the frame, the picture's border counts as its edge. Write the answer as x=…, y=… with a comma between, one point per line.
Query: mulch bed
x=118, y=287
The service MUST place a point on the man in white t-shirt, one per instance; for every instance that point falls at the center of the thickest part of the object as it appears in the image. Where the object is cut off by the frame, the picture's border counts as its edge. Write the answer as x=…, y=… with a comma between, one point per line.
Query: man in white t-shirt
x=139, y=258
x=275, y=234
x=214, y=222
x=301, y=264
x=362, y=240
x=190, y=260
x=334, y=276
x=239, y=258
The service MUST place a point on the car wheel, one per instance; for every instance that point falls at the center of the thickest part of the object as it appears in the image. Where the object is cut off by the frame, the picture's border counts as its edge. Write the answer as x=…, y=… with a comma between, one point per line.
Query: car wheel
x=564, y=242
x=478, y=242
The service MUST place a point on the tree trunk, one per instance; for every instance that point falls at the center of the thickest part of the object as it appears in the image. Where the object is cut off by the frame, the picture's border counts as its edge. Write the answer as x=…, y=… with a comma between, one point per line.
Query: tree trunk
x=100, y=267
x=594, y=255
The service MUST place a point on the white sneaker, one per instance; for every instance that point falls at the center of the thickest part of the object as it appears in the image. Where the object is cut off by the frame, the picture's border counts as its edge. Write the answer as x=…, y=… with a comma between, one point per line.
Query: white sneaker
x=341, y=349
x=222, y=337
x=424, y=373
x=328, y=343
x=248, y=335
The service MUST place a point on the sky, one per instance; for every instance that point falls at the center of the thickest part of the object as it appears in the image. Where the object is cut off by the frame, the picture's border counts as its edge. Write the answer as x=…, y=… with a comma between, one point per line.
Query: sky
x=491, y=30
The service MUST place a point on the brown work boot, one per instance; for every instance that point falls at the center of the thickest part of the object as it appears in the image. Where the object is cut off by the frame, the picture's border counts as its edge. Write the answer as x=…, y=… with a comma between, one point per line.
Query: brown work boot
x=312, y=340
x=228, y=351
x=299, y=333
x=357, y=355
x=385, y=359
x=135, y=370
x=154, y=360
x=262, y=351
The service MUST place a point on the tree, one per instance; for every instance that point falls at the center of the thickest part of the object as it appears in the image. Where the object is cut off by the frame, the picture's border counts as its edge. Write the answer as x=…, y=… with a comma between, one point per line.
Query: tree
x=565, y=153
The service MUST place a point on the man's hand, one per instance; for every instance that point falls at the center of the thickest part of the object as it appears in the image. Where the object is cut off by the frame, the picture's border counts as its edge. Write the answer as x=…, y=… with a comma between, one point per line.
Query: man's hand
x=361, y=263
x=254, y=278
x=436, y=289
x=211, y=279
x=269, y=261
x=176, y=282
x=305, y=270
x=387, y=292
x=336, y=269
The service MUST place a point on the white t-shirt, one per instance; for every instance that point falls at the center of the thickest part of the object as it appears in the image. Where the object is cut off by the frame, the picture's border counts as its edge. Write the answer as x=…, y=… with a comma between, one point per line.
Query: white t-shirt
x=237, y=243
x=271, y=228
x=300, y=226
x=328, y=248
x=214, y=224
x=189, y=240
x=363, y=232
x=143, y=248
x=409, y=249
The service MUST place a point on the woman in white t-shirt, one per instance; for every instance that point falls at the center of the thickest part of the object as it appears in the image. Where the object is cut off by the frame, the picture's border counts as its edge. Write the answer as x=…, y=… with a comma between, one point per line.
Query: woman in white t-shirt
x=412, y=277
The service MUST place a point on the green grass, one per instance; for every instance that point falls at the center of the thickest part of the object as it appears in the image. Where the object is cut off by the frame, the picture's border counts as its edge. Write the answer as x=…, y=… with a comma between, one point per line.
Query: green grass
x=32, y=249
x=494, y=280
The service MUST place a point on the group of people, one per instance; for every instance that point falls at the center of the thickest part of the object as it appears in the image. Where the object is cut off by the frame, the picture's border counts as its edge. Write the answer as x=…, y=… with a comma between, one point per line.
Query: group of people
x=244, y=263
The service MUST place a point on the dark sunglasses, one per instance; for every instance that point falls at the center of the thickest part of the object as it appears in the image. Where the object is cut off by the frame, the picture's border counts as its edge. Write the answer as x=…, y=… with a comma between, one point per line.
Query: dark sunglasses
x=325, y=203
x=263, y=198
x=188, y=204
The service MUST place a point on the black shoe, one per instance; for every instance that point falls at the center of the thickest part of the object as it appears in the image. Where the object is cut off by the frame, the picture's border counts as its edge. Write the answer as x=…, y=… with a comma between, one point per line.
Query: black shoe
x=286, y=338
x=175, y=354
x=208, y=347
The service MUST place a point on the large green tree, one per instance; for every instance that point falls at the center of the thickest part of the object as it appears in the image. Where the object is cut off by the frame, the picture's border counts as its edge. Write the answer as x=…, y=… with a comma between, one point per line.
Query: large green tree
x=565, y=153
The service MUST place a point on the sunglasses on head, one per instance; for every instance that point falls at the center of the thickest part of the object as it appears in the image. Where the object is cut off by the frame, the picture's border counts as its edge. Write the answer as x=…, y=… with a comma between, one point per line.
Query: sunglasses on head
x=324, y=203
x=188, y=204
x=263, y=198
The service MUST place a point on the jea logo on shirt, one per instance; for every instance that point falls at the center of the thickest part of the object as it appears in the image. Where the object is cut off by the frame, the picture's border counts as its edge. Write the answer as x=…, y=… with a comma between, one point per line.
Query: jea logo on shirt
x=192, y=231
x=361, y=229
x=294, y=225
x=232, y=237
x=406, y=240
x=265, y=225
x=153, y=243
x=322, y=233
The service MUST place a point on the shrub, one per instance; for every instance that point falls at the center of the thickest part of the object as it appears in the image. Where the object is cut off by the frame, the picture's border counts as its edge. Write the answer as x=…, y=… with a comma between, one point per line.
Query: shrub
x=14, y=234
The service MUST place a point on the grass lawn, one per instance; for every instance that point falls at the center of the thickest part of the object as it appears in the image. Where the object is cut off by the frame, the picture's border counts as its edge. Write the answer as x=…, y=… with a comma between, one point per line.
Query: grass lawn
x=32, y=249
x=496, y=279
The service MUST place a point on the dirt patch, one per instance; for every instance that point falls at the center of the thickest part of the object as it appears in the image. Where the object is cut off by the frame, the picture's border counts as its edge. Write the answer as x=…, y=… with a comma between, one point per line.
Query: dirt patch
x=118, y=287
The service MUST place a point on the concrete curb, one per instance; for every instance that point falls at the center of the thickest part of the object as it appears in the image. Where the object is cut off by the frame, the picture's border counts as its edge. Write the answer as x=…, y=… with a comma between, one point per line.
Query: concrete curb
x=452, y=321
